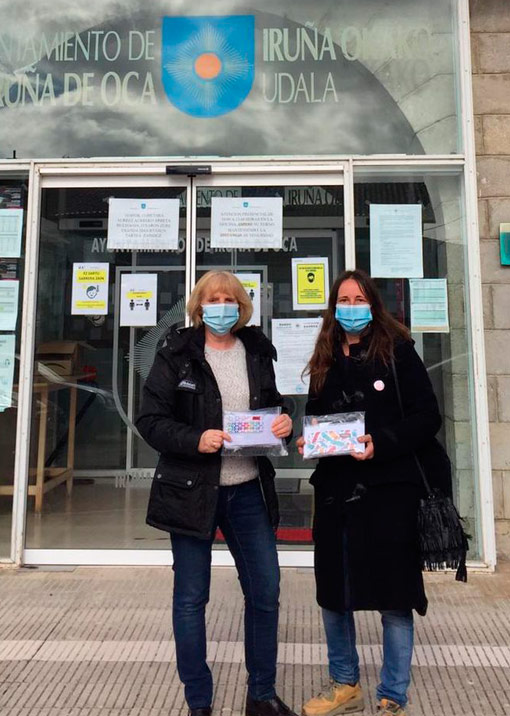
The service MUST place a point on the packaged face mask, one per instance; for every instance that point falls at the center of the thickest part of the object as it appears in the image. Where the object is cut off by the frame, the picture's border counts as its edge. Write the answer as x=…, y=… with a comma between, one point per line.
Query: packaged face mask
x=250, y=433
x=331, y=435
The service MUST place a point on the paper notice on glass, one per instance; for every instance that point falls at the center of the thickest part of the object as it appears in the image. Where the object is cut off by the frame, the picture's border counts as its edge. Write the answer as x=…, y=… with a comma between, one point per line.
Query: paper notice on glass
x=143, y=224
x=429, y=305
x=138, y=299
x=246, y=223
x=396, y=243
x=251, y=284
x=310, y=284
x=249, y=429
x=90, y=289
x=9, y=292
x=7, y=347
x=294, y=340
x=11, y=227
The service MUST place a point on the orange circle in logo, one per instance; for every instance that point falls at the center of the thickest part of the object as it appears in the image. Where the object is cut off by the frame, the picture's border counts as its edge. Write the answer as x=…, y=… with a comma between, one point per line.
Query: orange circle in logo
x=208, y=66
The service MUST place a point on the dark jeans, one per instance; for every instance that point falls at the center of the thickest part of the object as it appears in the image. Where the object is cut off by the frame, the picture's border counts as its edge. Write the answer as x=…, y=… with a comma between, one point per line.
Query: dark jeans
x=242, y=517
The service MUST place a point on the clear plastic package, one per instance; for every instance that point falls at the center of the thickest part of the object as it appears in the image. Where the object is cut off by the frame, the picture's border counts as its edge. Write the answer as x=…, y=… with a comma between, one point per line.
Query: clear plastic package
x=330, y=435
x=251, y=434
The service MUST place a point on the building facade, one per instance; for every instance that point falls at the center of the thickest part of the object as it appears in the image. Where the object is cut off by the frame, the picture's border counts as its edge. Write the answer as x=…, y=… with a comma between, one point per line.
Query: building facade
x=355, y=119
x=490, y=40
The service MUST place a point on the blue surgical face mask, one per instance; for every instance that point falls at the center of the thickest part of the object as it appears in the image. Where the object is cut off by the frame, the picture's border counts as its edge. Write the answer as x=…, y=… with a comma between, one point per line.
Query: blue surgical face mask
x=353, y=319
x=220, y=317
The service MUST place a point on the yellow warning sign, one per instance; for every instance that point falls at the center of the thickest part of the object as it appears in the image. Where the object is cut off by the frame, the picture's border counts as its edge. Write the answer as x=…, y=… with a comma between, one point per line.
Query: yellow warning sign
x=311, y=284
x=91, y=276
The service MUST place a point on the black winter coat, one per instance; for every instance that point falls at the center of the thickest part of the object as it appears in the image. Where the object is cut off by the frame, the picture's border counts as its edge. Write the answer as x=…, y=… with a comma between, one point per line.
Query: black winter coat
x=181, y=399
x=366, y=550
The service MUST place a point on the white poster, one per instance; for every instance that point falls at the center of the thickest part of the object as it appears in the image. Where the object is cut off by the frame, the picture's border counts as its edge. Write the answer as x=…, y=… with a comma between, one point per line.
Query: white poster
x=138, y=299
x=310, y=284
x=246, y=223
x=396, y=245
x=294, y=340
x=90, y=289
x=429, y=305
x=11, y=226
x=251, y=284
x=7, y=346
x=9, y=292
x=143, y=224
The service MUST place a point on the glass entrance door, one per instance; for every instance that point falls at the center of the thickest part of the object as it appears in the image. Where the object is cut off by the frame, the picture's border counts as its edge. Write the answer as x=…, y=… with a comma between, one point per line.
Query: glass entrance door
x=313, y=236
x=90, y=471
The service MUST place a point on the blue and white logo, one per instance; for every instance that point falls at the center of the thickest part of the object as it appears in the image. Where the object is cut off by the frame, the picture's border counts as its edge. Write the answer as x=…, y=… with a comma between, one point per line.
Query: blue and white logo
x=208, y=63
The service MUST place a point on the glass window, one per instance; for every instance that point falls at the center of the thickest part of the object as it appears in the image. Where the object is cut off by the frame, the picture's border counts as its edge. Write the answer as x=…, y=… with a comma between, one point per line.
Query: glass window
x=307, y=77
x=13, y=202
x=447, y=355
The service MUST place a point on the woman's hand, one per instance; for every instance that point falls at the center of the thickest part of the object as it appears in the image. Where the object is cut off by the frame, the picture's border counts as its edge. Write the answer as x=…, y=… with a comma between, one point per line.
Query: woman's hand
x=212, y=440
x=369, y=448
x=300, y=442
x=282, y=426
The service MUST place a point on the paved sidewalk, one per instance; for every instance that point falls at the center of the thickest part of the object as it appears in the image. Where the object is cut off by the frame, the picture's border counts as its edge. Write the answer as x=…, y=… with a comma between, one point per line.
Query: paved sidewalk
x=97, y=641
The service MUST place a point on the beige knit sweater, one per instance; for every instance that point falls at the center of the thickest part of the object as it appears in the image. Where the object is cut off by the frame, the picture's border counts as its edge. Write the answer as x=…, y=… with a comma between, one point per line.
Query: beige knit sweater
x=229, y=368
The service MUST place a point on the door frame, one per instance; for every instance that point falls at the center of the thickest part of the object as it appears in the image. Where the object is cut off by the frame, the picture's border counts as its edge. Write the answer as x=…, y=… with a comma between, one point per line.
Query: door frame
x=141, y=174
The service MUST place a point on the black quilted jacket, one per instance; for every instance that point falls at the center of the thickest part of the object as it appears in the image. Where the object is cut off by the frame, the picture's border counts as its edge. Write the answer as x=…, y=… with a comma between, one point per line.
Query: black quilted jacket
x=181, y=399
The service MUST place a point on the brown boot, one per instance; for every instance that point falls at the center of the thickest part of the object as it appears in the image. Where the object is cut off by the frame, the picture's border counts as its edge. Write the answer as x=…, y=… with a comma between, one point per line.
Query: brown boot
x=339, y=699
x=387, y=707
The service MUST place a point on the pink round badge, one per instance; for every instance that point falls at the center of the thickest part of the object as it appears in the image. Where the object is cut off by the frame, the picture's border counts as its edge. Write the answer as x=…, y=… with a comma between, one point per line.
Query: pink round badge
x=379, y=385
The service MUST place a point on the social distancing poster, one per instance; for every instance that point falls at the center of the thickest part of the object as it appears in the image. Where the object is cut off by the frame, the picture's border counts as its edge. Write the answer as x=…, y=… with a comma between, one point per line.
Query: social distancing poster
x=138, y=299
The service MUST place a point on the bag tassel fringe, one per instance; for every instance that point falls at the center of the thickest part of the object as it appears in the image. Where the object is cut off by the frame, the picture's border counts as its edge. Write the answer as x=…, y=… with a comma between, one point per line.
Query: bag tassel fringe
x=443, y=540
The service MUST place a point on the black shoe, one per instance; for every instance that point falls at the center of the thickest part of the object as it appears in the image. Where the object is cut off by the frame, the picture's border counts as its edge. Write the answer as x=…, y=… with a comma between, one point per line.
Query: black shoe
x=271, y=707
x=200, y=712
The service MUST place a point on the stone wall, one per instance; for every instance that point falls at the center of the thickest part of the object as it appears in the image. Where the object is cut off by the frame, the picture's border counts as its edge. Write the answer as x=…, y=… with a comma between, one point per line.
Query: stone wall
x=490, y=39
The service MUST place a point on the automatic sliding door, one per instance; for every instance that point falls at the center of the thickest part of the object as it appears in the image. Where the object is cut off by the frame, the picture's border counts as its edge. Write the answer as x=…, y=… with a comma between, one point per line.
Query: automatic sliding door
x=313, y=228
x=90, y=473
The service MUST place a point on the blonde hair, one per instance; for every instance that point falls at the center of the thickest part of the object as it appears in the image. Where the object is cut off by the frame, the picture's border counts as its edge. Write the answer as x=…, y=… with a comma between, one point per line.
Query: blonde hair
x=219, y=281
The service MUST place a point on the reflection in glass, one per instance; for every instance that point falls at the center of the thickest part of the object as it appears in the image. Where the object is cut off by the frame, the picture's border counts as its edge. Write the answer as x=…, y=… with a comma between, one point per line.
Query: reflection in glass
x=317, y=78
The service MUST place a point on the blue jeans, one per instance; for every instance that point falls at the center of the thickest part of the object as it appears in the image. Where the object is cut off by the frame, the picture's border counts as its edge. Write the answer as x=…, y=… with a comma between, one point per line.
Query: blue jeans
x=398, y=638
x=242, y=517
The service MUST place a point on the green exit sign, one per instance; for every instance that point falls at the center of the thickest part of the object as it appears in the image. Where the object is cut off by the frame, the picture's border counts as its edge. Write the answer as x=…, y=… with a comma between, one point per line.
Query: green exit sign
x=504, y=244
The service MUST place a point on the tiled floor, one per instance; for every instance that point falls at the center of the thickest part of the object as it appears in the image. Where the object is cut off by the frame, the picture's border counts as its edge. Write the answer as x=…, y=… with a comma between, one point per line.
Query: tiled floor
x=92, y=641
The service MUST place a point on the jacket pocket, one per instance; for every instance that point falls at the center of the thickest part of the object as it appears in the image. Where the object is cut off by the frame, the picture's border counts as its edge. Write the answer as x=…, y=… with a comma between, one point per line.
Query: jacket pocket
x=179, y=499
x=183, y=479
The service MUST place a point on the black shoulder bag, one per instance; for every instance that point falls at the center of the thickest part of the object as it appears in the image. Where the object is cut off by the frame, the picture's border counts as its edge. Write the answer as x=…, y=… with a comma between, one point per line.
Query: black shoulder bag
x=442, y=538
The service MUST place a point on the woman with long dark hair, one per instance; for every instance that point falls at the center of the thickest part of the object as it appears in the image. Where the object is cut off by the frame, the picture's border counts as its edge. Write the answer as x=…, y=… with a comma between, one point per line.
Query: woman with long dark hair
x=365, y=523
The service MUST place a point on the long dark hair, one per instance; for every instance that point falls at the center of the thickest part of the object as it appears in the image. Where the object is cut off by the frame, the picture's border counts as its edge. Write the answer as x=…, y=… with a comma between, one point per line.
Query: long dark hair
x=383, y=330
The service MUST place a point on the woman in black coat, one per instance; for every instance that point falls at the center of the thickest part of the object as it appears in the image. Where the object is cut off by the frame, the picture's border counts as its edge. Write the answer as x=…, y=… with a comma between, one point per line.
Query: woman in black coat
x=218, y=364
x=365, y=524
